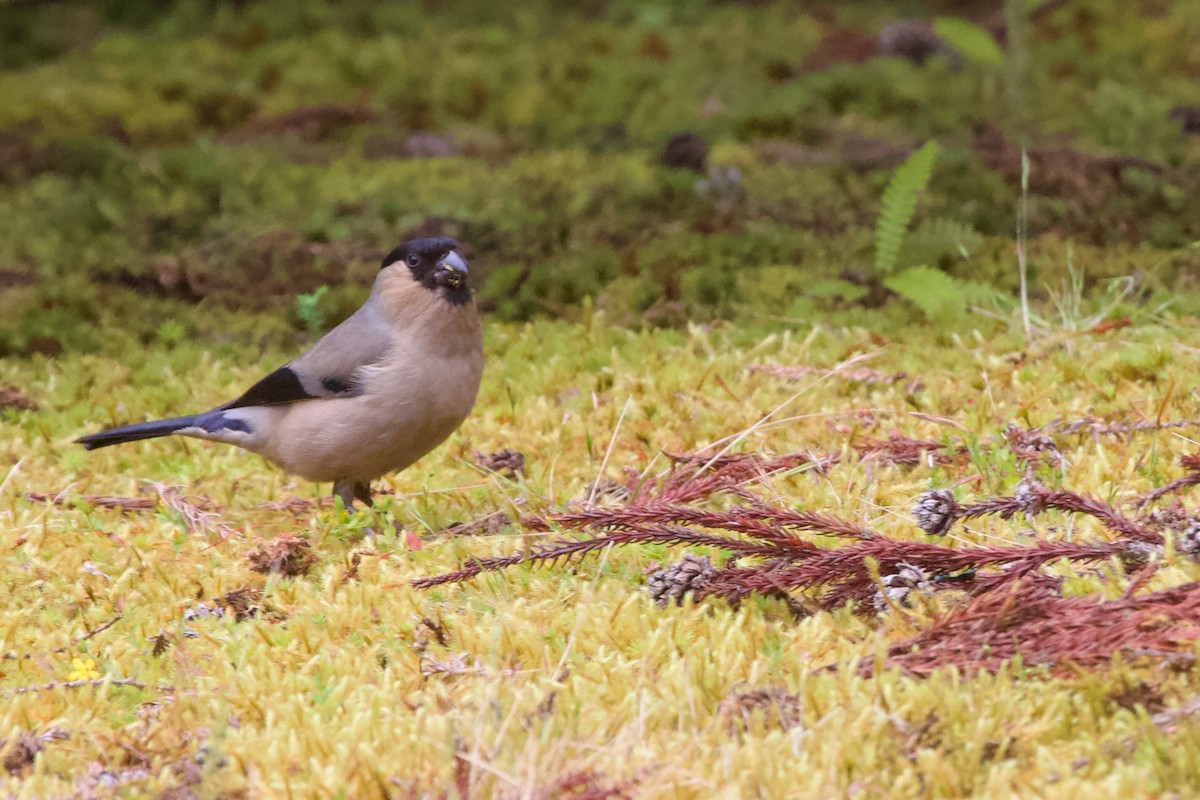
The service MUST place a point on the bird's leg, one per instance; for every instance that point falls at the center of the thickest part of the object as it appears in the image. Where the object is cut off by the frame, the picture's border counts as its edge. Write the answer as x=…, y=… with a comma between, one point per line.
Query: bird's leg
x=346, y=490
x=350, y=491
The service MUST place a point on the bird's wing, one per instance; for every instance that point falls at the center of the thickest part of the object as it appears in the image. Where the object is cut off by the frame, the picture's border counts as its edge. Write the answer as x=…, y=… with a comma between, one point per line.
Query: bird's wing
x=330, y=369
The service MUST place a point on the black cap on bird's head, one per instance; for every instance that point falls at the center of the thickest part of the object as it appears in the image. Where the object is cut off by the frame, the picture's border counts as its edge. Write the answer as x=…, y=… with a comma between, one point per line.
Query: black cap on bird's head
x=435, y=263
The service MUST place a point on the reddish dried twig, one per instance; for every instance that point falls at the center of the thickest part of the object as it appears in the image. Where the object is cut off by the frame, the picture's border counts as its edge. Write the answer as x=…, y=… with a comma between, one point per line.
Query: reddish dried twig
x=52, y=685
x=59, y=650
x=1099, y=427
x=1192, y=478
x=195, y=517
x=909, y=452
x=95, y=500
x=708, y=475
x=1031, y=498
x=566, y=549
x=1031, y=446
x=755, y=520
x=844, y=570
x=1044, y=629
x=1014, y=608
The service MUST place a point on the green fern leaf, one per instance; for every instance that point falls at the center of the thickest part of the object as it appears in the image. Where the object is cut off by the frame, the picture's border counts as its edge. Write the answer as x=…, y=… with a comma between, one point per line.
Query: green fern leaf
x=935, y=239
x=899, y=204
x=938, y=295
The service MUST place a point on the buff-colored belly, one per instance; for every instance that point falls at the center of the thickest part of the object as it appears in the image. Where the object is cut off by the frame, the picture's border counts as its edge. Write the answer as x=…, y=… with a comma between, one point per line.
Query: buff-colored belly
x=399, y=418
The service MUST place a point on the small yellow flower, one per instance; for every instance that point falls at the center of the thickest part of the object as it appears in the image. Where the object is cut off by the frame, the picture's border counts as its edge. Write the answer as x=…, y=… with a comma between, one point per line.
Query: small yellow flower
x=83, y=669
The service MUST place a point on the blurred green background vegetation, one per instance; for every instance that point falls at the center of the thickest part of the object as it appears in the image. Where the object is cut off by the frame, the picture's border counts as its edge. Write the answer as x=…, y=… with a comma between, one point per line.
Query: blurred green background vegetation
x=167, y=167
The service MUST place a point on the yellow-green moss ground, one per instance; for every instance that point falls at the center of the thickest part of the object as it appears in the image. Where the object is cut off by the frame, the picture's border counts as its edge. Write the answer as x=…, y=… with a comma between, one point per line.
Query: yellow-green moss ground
x=508, y=684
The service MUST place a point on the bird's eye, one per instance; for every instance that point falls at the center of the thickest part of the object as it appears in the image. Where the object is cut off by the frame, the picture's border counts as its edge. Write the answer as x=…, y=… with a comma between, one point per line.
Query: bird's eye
x=413, y=260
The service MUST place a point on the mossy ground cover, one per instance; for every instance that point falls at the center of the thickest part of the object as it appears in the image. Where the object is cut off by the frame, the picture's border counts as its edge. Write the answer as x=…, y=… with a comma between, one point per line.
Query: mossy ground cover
x=181, y=619
x=346, y=680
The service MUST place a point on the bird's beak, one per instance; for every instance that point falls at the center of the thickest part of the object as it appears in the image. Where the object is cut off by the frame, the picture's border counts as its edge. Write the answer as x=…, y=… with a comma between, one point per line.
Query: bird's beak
x=452, y=270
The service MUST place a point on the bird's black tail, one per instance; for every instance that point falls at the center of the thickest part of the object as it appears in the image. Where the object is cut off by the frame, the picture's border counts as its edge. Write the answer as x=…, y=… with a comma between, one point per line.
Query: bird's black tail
x=141, y=430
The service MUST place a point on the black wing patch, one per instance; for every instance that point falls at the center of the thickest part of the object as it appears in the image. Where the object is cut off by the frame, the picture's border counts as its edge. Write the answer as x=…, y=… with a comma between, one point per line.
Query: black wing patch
x=284, y=386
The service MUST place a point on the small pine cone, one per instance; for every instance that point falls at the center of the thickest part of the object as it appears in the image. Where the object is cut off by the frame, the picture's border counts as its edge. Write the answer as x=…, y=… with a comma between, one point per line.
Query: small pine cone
x=690, y=575
x=1189, y=541
x=1029, y=495
x=897, y=586
x=935, y=511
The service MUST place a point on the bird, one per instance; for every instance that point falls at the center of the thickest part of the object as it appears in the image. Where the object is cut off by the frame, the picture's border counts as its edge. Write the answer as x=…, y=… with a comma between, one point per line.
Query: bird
x=372, y=396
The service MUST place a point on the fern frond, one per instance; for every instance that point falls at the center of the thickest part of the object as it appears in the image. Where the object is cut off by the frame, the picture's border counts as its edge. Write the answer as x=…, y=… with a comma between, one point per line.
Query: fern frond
x=936, y=238
x=899, y=204
x=937, y=294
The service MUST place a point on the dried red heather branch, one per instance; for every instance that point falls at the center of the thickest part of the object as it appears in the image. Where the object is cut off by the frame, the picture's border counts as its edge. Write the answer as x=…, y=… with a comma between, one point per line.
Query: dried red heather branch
x=935, y=511
x=844, y=569
x=1031, y=446
x=606, y=488
x=484, y=526
x=709, y=476
x=1062, y=500
x=1045, y=629
x=199, y=514
x=1099, y=427
x=784, y=562
x=195, y=518
x=903, y=451
x=1192, y=478
x=756, y=520
x=565, y=549
x=1014, y=608
x=95, y=500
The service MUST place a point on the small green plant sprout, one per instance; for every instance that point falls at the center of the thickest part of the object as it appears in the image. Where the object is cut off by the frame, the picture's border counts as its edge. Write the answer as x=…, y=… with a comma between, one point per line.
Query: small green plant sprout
x=972, y=42
x=308, y=310
x=171, y=332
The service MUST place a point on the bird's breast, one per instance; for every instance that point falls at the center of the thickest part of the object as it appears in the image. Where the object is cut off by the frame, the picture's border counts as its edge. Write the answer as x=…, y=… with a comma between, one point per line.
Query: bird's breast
x=410, y=403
